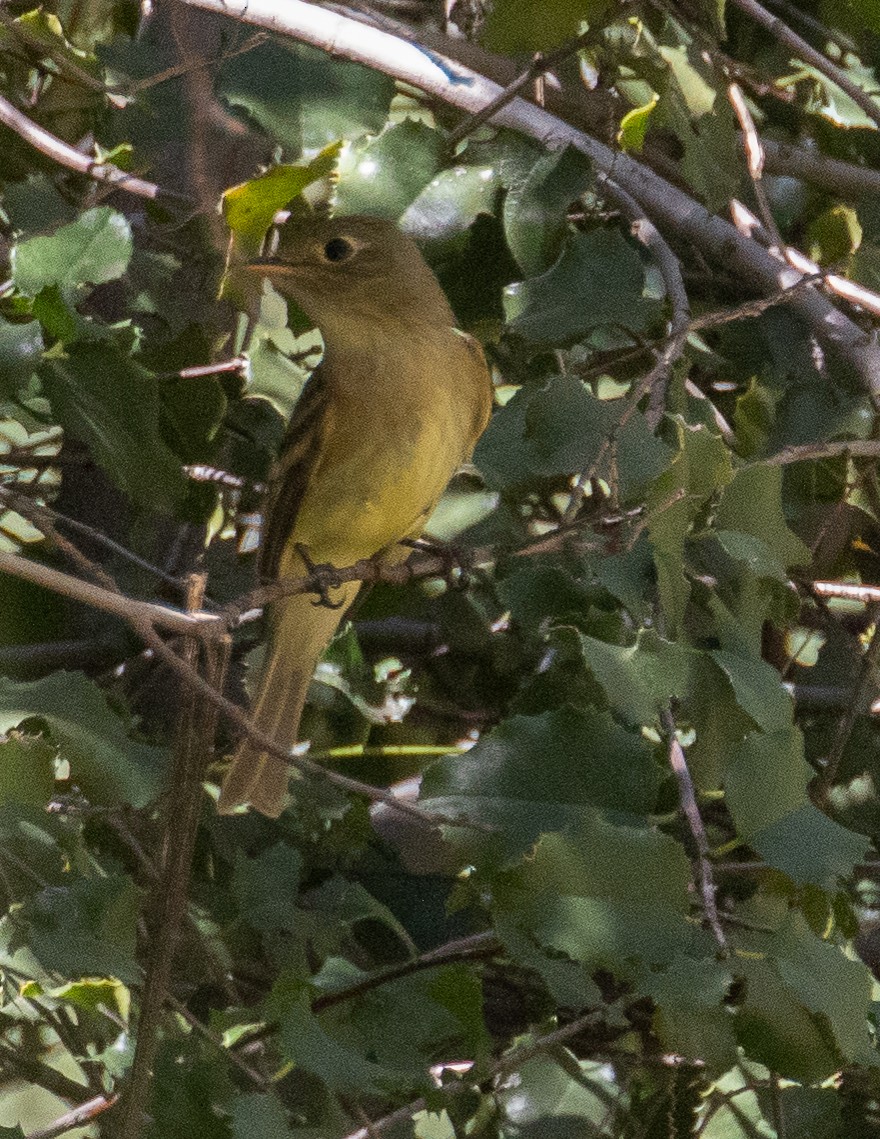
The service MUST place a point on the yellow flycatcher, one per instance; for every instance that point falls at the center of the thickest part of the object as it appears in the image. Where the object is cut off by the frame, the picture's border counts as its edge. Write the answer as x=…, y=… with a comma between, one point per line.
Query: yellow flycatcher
x=397, y=404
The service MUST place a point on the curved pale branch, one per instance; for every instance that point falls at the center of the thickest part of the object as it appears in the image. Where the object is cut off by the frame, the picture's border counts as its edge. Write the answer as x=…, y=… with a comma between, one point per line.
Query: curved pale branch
x=670, y=208
x=66, y=155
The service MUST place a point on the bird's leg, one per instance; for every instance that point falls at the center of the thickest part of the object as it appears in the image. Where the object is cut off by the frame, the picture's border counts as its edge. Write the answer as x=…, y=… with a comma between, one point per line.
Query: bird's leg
x=456, y=559
x=325, y=577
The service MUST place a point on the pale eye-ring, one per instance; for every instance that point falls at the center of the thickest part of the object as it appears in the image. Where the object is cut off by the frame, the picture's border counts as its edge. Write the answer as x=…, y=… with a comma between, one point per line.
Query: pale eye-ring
x=338, y=249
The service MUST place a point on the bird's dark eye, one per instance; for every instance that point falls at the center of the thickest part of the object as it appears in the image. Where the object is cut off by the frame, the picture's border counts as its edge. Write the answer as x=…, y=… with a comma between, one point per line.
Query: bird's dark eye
x=338, y=249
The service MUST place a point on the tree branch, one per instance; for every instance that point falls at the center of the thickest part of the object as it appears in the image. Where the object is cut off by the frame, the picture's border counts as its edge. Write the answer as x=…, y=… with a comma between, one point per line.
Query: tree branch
x=501, y=1067
x=79, y=1116
x=117, y=604
x=795, y=43
x=65, y=155
x=666, y=205
x=687, y=798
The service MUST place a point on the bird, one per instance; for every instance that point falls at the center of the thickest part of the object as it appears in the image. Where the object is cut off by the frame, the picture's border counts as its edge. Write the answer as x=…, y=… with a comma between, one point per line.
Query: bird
x=394, y=408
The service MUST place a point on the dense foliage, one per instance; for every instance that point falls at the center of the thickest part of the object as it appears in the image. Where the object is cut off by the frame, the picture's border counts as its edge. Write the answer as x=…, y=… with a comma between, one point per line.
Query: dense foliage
x=649, y=738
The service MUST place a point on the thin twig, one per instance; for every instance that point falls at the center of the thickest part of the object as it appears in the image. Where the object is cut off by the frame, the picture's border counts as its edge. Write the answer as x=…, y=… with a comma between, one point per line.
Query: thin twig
x=752, y=227
x=595, y=111
x=502, y=1067
x=138, y=85
x=237, y=366
x=646, y=384
x=65, y=155
x=813, y=452
x=79, y=1116
x=42, y=519
x=841, y=178
x=194, y=741
x=463, y=949
x=867, y=677
x=647, y=234
x=474, y=947
x=259, y=1081
x=847, y=591
x=754, y=152
x=795, y=43
x=41, y=514
x=243, y=726
x=67, y=69
x=779, y=1122
x=539, y=66
x=687, y=798
x=842, y=42
x=117, y=604
x=36, y=1073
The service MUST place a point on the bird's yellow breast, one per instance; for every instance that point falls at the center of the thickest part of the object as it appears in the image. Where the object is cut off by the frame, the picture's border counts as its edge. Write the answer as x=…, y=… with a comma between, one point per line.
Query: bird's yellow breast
x=402, y=415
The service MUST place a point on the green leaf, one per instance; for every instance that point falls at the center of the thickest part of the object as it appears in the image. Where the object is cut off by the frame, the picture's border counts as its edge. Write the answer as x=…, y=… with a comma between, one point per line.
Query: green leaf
x=280, y=360
x=520, y=26
x=634, y=126
x=758, y=689
x=813, y=1112
x=21, y=346
x=308, y=1044
x=92, y=250
x=535, y=211
x=192, y=1091
x=349, y=902
x=302, y=97
x=703, y=124
x=773, y=1027
x=538, y=591
x=835, y=988
x=559, y=430
x=691, y=1017
x=266, y=888
x=250, y=207
x=95, y=994
x=640, y=680
x=86, y=929
x=570, y=985
x=835, y=234
x=258, y=1116
x=697, y=93
x=611, y=897
x=36, y=204
x=754, y=553
x=560, y=1101
x=108, y=766
x=106, y=400
x=534, y=774
x=828, y=100
x=766, y=790
x=599, y=279
x=385, y=175
x=752, y=504
x=451, y=202
x=701, y=468
x=27, y=770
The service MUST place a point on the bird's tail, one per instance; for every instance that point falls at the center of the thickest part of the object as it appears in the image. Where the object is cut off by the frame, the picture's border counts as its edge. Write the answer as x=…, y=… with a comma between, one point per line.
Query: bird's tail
x=300, y=632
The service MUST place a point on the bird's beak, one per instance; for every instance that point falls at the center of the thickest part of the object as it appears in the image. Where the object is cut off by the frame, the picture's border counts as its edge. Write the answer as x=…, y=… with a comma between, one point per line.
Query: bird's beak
x=268, y=266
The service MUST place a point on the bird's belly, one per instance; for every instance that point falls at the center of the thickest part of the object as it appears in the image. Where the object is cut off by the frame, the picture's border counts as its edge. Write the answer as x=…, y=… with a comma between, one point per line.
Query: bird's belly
x=387, y=475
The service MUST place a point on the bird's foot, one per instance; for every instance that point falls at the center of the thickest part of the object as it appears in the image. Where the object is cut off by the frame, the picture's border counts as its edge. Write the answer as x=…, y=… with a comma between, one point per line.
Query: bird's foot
x=324, y=577
x=456, y=560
